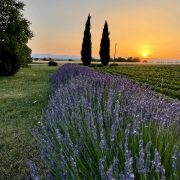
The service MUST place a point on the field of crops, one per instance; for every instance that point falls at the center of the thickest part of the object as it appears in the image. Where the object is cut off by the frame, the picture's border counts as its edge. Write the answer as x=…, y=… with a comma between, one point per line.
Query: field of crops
x=100, y=126
x=162, y=78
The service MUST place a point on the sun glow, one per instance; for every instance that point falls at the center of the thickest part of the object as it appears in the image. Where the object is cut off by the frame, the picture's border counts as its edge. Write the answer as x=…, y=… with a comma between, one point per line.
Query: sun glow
x=145, y=53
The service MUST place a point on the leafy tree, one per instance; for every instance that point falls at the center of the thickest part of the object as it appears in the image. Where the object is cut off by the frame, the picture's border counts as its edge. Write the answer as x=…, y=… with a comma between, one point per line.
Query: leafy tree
x=133, y=59
x=52, y=63
x=121, y=59
x=86, y=45
x=14, y=35
x=105, y=46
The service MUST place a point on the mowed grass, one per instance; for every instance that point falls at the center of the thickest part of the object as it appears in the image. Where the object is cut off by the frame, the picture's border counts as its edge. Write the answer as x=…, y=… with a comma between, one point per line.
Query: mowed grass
x=164, y=79
x=22, y=98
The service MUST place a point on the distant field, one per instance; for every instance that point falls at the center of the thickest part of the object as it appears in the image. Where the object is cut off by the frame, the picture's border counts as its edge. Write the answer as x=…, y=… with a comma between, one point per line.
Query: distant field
x=22, y=98
x=40, y=62
x=61, y=62
x=164, y=79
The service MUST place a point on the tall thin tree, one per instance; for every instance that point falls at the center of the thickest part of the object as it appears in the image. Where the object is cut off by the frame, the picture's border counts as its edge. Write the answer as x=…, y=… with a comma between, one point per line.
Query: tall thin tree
x=86, y=45
x=105, y=46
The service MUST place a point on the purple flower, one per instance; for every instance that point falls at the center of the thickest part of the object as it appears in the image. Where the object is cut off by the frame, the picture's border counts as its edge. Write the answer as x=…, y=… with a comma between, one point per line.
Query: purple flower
x=88, y=109
x=33, y=170
x=175, y=161
x=157, y=162
x=110, y=173
x=101, y=169
x=140, y=161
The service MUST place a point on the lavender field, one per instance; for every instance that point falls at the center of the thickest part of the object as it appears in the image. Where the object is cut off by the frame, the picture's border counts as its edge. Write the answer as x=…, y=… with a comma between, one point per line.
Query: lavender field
x=100, y=126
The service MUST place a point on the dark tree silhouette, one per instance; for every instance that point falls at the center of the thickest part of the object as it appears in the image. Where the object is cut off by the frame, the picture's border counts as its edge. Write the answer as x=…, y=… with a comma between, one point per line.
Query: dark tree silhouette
x=9, y=63
x=14, y=35
x=86, y=45
x=105, y=46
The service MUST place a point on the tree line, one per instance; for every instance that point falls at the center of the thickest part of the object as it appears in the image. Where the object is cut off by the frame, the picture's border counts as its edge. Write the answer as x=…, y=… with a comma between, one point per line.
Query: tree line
x=86, y=51
x=129, y=59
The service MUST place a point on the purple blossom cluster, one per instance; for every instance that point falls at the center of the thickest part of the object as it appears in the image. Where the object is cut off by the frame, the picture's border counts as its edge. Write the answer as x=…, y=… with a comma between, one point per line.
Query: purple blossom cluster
x=98, y=117
x=141, y=102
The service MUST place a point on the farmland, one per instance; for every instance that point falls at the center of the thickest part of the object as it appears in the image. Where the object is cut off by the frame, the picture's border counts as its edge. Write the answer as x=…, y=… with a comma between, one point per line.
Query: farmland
x=22, y=99
x=100, y=126
x=94, y=125
x=161, y=78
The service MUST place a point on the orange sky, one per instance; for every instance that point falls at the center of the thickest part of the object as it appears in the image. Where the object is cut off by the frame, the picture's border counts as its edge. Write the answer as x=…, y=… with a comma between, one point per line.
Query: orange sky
x=139, y=27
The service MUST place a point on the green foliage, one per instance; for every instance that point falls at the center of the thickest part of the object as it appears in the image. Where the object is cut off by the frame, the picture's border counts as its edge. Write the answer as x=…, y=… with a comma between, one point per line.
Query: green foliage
x=129, y=59
x=8, y=61
x=14, y=35
x=52, y=63
x=119, y=59
x=161, y=78
x=86, y=45
x=133, y=59
x=105, y=46
x=20, y=110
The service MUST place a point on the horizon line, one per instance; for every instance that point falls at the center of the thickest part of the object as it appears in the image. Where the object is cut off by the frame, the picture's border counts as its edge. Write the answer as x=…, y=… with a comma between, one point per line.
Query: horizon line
x=50, y=55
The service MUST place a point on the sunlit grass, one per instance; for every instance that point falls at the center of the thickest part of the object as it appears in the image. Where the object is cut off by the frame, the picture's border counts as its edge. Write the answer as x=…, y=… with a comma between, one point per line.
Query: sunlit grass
x=22, y=98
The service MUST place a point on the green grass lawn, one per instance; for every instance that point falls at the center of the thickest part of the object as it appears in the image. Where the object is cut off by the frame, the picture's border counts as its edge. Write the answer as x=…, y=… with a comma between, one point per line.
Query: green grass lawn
x=22, y=98
x=162, y=78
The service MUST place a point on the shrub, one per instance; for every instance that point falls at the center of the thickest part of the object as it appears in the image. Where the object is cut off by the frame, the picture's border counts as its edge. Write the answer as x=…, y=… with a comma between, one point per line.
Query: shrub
x=133, y=59
x=52, y=63
x=120, y=59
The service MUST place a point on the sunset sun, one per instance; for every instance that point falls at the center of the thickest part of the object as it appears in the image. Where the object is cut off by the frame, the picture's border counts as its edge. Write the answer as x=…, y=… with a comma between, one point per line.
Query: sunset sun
x=145, y=53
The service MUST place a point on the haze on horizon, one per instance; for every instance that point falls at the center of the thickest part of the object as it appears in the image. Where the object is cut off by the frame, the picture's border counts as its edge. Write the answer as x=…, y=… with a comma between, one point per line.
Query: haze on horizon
x=148, y=28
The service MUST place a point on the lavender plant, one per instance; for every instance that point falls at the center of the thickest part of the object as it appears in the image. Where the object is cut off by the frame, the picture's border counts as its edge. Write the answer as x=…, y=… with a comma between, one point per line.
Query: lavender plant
x=100, y=126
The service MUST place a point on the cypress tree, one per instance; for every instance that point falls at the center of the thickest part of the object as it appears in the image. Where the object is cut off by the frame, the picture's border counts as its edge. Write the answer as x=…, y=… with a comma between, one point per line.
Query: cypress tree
x=105, y=46
x=86, y=45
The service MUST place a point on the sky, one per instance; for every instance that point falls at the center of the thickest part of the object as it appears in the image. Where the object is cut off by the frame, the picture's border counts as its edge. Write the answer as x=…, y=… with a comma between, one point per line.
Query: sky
x=141, y=28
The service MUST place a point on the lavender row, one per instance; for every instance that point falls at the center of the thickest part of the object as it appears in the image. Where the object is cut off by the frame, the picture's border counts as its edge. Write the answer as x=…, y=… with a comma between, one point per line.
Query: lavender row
x=143, y=103
x=100, y=126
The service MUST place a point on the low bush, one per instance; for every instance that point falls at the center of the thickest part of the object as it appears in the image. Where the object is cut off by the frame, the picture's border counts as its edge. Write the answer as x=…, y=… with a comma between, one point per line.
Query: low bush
x=52, y=63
